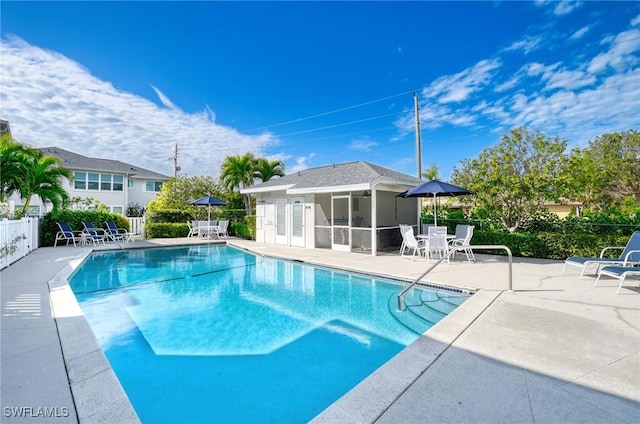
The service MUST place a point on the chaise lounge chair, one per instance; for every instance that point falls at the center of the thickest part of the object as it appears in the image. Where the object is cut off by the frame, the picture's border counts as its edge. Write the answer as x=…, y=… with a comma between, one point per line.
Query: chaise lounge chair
x=630, y=256
x=66, y=233
x=96, y=235
x=118, y=234
x=618, y=271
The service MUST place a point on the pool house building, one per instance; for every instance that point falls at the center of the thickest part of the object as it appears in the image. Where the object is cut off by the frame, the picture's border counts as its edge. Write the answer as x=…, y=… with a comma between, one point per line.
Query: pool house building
x=351, y=207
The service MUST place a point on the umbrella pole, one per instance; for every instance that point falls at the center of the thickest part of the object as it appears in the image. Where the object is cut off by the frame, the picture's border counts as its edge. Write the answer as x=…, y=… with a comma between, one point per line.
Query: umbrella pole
x=435, y=216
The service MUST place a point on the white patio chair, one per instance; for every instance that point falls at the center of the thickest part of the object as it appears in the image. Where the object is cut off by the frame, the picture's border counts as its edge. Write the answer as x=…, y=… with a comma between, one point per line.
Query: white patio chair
x=193, y=228
x=403, y=229
x=463, y=238
x=223, y=228
x=418, y=246
x=437, y=244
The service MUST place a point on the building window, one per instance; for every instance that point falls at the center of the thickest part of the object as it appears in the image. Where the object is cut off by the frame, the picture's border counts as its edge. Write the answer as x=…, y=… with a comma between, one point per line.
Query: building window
x=105, y=182
x=94, y=181
x=118, y=183
x=80, y=182
x=154, y=186
x=116, y=209
x=130, y=183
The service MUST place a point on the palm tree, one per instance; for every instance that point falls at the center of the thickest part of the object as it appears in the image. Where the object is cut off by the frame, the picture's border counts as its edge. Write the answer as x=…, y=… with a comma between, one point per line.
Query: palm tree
x=238, y=172
x=14, y=162
x=265, y=169
x=43, y=179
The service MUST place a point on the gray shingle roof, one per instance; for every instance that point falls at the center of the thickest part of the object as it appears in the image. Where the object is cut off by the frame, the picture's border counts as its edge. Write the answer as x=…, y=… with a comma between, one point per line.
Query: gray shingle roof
x=350, y=173
x=75, y=161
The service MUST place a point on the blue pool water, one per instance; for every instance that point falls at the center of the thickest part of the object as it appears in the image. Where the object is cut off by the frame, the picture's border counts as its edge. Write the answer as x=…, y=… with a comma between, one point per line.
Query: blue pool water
x=215, y=334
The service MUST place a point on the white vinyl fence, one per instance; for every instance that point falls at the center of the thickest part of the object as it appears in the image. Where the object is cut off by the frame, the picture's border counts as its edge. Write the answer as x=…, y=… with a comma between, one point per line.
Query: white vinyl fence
x=137, y=226
x=17, y=239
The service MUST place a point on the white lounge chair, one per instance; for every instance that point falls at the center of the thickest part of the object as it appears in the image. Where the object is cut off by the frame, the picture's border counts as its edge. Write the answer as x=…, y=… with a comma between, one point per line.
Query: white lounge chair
x=620, y=272
x=96, y=235
x=630, y=256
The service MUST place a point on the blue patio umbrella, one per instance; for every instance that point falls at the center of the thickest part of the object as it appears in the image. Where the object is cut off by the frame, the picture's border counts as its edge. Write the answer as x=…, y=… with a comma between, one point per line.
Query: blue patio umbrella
x=435, y=188
x=209, y=201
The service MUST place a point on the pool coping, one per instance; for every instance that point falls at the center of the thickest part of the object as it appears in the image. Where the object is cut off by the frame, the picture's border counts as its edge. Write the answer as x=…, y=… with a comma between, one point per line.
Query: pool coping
x=99, y=396
x=97, y=393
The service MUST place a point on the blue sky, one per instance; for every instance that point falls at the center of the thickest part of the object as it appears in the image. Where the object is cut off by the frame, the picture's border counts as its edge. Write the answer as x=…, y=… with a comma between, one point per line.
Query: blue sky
x=314, y=83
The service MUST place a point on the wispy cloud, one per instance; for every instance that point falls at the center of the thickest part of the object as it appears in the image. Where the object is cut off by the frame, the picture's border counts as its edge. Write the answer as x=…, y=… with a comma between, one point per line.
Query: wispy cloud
x=577, y=101
x=580, y=33
x=458, y=87
x=52, y=100
x=300, y=163
x=621, y=55
x=561, y=7
x=362, y=145
x=526, y=45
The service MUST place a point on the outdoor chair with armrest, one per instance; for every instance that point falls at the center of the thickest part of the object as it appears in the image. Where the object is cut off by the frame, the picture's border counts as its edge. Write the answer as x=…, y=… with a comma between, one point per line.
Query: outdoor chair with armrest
x=96, y=235
x=630, y=256
x=462, y=240
x=438, y=244
x=118, y=234
x=412, y=243
x=66, y=233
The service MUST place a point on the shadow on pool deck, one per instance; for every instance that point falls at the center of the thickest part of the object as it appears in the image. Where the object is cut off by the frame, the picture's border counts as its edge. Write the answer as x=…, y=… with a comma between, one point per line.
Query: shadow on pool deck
x=556, y=349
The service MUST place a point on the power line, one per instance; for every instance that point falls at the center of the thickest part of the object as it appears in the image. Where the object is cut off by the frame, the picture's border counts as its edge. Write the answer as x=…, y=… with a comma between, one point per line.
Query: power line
x=329, y=112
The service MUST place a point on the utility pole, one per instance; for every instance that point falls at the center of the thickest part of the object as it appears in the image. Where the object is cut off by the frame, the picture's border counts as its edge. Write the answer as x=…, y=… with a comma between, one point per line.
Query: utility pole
x=174, y=159
x=418, y=140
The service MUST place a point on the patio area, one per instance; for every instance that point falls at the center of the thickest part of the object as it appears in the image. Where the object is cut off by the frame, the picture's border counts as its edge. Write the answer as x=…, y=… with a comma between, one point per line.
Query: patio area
x=555, y=349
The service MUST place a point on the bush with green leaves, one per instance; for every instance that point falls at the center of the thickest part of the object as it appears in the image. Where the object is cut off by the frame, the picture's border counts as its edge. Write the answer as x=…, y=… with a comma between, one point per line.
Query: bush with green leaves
x=166, y=229
x=167, y=215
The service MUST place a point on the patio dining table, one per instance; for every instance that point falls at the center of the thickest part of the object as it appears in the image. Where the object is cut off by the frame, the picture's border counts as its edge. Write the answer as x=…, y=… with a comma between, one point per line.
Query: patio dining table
x=210, y=230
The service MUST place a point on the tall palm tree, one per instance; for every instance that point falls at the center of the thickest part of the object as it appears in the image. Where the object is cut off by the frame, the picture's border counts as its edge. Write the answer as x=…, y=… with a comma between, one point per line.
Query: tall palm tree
x=14, y=162
x=237, y=172
x=43, y=179
x=265, y=169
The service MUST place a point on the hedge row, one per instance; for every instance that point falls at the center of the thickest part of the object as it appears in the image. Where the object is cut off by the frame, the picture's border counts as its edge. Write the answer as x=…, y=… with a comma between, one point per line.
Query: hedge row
x=550, y=245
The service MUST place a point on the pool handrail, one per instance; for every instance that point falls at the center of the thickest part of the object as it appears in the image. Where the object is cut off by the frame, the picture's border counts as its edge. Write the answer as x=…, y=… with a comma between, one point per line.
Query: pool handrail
x=402, y=306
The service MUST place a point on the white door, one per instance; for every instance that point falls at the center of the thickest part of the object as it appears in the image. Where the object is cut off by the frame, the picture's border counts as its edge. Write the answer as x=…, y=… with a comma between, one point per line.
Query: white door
x=297, y=222
x=281, y=222
x=340, y=220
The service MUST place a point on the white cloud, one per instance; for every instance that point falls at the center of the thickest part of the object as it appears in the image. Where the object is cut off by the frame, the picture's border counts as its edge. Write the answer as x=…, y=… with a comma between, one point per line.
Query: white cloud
x=164, y=99
x=458, y=87
x=635, y=21
x=569, y=101
x=621, y=54
x=51, y=100
x=564, y=7
x=580, y=33
x=527, y=44
x=362, y=145
x=300, y=163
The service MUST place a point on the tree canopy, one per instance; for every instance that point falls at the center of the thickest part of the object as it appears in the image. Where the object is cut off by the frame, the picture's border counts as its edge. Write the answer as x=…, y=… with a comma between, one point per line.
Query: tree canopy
x=513, y=179
x=29, y=172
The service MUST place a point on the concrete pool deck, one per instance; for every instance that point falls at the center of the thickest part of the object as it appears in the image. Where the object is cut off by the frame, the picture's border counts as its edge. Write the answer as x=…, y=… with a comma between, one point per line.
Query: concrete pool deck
x=555, y=349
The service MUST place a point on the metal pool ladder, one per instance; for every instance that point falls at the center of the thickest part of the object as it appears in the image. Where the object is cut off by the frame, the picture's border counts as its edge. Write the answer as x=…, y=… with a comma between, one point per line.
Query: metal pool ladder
x=401, y=304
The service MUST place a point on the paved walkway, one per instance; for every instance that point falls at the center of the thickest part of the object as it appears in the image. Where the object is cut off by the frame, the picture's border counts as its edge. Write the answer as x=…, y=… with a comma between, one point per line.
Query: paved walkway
x=555, y=349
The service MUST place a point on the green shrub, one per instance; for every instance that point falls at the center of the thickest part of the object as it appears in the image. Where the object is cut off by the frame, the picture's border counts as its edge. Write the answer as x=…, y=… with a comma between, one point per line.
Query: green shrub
x=549, y=245
x=50, y=228
x=166, y=230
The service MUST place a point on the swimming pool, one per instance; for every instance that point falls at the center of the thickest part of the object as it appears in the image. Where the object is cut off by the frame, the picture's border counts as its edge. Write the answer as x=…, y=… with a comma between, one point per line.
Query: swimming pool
x=212, y=333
